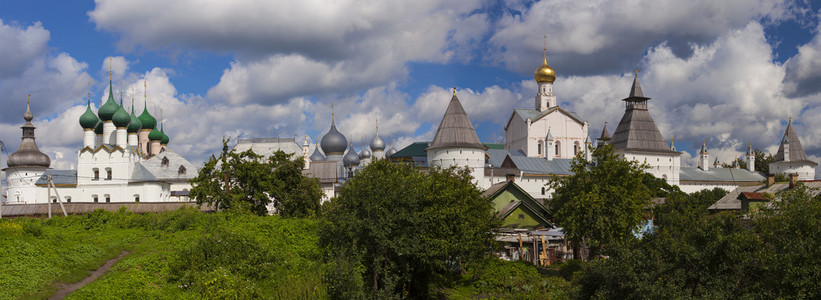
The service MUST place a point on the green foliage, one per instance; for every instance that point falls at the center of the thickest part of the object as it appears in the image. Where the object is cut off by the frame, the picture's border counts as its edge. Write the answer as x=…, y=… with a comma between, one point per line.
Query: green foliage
x=601, y=203
x=497, y=279
x=247, y=181
x=404, y=226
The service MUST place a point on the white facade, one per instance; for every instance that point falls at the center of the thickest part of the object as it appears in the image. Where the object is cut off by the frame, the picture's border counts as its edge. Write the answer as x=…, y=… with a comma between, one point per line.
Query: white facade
x=21, y=184
x=459, y=157
x=569, y=133
x=804, y=170
x=664, y=166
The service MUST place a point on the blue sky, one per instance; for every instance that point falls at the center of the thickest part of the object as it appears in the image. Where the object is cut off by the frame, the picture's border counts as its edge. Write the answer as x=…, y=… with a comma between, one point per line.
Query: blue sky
x=731, y=72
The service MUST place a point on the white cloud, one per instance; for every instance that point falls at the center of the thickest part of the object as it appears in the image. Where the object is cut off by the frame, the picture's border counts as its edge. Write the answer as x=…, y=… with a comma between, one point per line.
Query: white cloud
x=593, y=36
x=20, y=46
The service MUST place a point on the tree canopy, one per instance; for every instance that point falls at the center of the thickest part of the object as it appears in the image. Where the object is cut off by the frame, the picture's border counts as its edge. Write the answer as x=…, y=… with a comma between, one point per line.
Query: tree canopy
x=600, y=203
x=250, y=182
x=403, y=226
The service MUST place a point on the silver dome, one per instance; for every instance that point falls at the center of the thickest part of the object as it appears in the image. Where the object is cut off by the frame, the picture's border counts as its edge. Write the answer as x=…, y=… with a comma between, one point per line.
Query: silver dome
x=377, y=143
x=365, y=153
x=351, y=159
x=333, y=142
x=390, y=152
x=28, y=155
x=317, y=156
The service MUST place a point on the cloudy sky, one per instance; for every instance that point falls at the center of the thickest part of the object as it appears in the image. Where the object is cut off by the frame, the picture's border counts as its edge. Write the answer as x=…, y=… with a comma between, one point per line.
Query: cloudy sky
x=731, y=72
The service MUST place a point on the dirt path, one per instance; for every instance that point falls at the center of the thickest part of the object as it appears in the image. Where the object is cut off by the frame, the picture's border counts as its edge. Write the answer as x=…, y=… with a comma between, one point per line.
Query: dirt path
x=65, y=290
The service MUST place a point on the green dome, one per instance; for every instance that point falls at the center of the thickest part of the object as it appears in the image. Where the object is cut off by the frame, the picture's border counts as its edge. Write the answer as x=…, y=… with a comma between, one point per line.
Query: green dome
x=99, y=128
x=110, y=107
x=147, y=120
x=165, y=138
x=88, y=120
x=155, y=135
x=135, y=124
x=121, y=118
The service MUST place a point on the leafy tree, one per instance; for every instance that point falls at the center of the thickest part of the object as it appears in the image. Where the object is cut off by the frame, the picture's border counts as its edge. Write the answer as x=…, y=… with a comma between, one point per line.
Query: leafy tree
x=404, y=226
x=249, y=182
x=792, y=231
x=600, y=203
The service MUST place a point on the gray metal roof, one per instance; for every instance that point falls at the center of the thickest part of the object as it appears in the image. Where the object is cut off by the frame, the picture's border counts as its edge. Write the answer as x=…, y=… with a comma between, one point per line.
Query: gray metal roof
x=267, y=146
x=797, y=153
x=638, y=132
x=60, y=178
x=140, y=173
x=530, y=165
x=171, y=170
x=28, y=155
x=719, y=175
x=325, y=171
x=455, y=130
x=731, y=202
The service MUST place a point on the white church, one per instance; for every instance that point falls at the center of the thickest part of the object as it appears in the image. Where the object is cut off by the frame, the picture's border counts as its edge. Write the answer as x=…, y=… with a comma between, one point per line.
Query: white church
x=124, y=158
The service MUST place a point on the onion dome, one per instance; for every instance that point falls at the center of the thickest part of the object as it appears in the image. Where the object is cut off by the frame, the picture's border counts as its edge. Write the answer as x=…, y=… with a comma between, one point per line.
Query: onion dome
x=28, y=155
x=146, y=119
x=365, y=153
x=390, y=152
x=165, y=139
x=135, y=124
x=333, y=143
x=155, y=135
x=545, y=73
x=317, y=156
x=88, y=120
x=377, y=143
x=110, y=107
x=99, y=128
x=351, y=159
x=121, y=118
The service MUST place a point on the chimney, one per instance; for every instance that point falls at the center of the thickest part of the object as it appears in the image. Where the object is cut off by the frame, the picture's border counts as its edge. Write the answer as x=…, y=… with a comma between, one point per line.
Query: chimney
x=793, y=179
x=510, y=177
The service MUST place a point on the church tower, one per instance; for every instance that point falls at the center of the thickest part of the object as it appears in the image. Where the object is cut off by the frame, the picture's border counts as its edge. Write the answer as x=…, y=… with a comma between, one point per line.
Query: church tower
x=26, y=165
x=545, y=76
x=791, y=158
x=637, y=138
x=456, y=143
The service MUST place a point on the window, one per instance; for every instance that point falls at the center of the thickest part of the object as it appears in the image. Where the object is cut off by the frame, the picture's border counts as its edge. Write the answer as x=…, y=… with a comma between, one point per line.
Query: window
x=137, y=198
x=542, y=191
x=558, y=149
x=181, y=171
x=94, y=198
x=576, y=148
x=164, y=161
x=53, y=199
x=96, y=174
x=107, y=198
x=108, y=173
x=68, y=199
x=539, y=148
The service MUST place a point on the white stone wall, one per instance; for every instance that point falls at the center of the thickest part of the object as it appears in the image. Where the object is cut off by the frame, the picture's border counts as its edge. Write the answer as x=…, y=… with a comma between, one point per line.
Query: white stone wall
x=804, y=171
x=692, y=188
x=460, y=157
x=120, y=161
x=666, y=166
x=20, y=181
x=147, y=192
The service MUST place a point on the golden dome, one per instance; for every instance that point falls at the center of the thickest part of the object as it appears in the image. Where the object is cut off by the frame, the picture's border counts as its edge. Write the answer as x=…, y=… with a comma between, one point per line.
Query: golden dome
x=545, y=73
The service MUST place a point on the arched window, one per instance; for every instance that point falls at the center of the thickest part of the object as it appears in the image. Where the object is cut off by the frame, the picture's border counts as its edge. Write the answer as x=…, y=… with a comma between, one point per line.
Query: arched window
x=68, y=199
x=576, y=148
x=108, y=174
x=542, y=190
x=107, y=198
x=95, y=198
x=137, y=198
x=558, y=149
x=539, y=148
x=96, y=174
x=53, y=199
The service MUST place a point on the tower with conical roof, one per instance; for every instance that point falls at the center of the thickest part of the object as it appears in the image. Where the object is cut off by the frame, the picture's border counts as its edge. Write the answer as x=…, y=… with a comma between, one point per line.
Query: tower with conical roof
x=637, y=138
x=456, y=143
x=26, y=165
x=750, y=158
x=704, y=157
x=791, y=158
